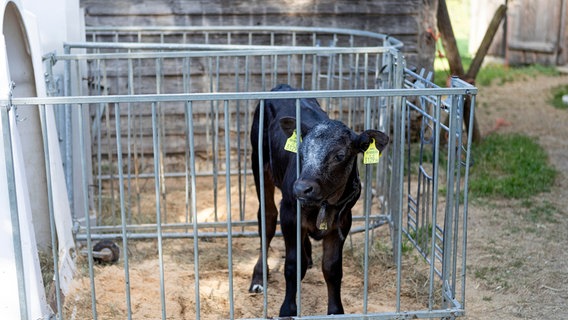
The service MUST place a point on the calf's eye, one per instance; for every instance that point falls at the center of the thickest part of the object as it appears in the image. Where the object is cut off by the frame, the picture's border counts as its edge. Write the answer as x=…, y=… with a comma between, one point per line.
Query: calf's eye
x=339, y=157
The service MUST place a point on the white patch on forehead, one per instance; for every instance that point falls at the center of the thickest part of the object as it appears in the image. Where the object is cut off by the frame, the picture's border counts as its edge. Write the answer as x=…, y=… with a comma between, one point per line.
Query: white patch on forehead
x=315, y=147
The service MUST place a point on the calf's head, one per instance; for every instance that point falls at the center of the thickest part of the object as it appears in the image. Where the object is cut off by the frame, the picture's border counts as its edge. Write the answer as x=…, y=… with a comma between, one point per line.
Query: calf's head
x=328, y=152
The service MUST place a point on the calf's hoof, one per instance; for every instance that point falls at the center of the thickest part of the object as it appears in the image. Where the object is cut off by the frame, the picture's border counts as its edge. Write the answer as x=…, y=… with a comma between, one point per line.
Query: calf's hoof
x=256, y=288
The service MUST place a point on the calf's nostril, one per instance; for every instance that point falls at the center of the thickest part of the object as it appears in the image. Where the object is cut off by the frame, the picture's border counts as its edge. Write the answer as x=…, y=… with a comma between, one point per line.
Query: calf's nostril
x=305, y=189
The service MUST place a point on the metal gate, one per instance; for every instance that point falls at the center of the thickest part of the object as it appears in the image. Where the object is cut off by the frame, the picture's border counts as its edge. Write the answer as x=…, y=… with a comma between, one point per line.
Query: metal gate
x=169, y=212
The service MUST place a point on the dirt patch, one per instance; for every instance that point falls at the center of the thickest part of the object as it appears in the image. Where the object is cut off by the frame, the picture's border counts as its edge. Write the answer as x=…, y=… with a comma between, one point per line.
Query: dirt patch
x=517, y=257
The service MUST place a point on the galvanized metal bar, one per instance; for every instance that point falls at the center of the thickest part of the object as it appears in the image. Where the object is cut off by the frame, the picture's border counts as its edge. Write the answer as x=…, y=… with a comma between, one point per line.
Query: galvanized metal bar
x=191, y=235
x=189, y=106
x=160, y=138
x=122, y=211
x=303, y=79
x=82, y=147
x=456, y=190
x=186, y=65
x=274, y=70
x=263, y=240
x=385, y=40
x=68, y=135
x=14, y=214
x=99, y=165
x=229, y=219
x=449, y=212
x=466, y=199
x=398, y=176
x=316, y=94
x=299, y=244
x=315, y=82
x=128, y=139
x=241, y=201
x=378, y=219
x=435, y=174
x=157, y=169
x=216, y=141
x=367, y=213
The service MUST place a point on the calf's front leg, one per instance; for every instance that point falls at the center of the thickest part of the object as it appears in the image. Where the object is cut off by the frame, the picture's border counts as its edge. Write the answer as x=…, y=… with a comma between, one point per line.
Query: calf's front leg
x=288, y=224
x=332, y=267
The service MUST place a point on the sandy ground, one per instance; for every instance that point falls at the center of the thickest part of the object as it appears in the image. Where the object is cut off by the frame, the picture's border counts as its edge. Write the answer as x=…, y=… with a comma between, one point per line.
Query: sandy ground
x=517, y=268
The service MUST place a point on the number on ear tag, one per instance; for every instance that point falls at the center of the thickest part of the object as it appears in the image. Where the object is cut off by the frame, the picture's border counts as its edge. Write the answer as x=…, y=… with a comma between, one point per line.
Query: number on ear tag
x=372, y=154
x=292, y=143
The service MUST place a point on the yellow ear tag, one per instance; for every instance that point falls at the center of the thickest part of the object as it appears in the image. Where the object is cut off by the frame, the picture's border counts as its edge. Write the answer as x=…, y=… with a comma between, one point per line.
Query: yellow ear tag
x=372, y=154
x=292, y=143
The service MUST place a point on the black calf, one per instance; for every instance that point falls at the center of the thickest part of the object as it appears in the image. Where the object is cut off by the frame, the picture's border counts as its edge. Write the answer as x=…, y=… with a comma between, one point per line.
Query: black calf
x=327, y=188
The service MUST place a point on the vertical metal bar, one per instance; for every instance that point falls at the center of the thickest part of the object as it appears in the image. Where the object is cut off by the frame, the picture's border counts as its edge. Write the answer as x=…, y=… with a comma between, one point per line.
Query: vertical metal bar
x=109, y=150
x=289, y=69
x=84, y=175
x=262, y=75
x=437, y=132
x=367, y=212
x=298, y=214
x=274, y=70
x=99, y=166
x=456, y=190
x=449, y=218
x=157, y=173
x=228, y=193
x=68, y=133
x=246, y=145
x=262, y=208
x=315, y=81
x=122, y=209
x=365, y=70
x=161, y=136
x=466, y=198
x=128, y=141
x=188, y=116
x=216, y=161
x=303, y=81
x=239, y=158
x=14, y=215
x=340, y=85
x=79, y=76
x=399, y=168
x=189, y=106
x=240, y=174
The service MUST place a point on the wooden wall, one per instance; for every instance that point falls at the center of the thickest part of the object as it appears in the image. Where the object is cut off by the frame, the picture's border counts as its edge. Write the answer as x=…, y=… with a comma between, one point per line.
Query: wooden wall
x=411, y=21
x=533, y=31
x=408, y=20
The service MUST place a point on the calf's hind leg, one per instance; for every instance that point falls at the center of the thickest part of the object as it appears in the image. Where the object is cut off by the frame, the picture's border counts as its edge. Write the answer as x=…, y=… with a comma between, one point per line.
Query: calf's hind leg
x=257, y=283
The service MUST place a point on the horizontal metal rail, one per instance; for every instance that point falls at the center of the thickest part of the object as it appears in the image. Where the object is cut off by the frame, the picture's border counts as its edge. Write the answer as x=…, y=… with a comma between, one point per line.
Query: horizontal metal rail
x=387, y=40
x=184, y=97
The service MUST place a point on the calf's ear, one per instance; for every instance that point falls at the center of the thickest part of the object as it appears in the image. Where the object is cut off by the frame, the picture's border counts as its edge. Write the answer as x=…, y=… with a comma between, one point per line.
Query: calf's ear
x=288, y=125
x=365, y=138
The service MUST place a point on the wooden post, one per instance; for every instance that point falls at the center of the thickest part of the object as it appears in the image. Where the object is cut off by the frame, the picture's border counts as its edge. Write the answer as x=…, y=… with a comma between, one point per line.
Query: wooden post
x=449, y=40
x=454, y=59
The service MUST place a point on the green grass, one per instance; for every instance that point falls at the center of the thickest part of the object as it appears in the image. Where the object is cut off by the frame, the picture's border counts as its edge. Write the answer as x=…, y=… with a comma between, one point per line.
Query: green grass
x=510, y=166
x=544, y=212
x=493, y=73
x=557, y=94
